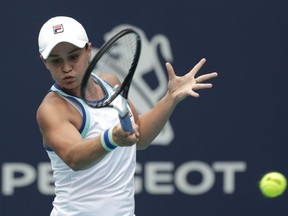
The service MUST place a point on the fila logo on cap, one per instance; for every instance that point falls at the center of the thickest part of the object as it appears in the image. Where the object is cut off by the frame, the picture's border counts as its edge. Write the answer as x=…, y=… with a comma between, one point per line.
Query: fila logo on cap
x=58, y=29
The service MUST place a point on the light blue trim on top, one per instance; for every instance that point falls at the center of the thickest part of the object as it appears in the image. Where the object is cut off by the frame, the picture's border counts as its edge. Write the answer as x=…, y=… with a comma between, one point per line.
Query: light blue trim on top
x=108, y=90
x=86, y=115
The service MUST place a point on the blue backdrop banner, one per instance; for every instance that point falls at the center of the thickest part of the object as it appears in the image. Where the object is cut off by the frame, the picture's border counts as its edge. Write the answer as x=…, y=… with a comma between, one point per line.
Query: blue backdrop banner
x=211, y=155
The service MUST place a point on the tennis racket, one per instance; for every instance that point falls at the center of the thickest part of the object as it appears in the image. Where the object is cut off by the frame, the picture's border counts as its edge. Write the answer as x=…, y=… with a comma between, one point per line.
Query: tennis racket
x=115, y=63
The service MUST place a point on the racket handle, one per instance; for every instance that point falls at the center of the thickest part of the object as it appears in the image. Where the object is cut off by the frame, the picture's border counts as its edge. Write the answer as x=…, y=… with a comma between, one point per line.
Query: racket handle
x=125, y=122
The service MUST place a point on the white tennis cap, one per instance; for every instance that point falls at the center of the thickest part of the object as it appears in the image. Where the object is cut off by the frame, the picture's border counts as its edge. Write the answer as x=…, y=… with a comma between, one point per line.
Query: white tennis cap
x=61, y=29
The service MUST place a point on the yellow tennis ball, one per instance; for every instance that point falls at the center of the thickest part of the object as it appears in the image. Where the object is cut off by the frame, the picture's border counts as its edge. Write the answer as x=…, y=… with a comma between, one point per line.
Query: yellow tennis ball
x=273, y=184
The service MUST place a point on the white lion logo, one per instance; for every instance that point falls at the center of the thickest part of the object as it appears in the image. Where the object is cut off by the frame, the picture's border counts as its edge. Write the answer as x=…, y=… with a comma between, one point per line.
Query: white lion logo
x=143, y=95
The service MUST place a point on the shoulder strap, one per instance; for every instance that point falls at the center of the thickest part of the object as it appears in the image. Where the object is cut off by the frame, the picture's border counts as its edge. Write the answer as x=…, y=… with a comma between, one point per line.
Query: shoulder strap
x=74, y=100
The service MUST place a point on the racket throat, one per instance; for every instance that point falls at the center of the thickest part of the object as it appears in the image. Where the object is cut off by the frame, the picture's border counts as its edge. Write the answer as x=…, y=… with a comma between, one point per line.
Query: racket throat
x=125, y=116
x=121, y=105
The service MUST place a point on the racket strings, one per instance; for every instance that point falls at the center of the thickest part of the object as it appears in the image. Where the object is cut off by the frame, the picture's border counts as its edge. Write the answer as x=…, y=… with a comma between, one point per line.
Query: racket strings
x=115, y=64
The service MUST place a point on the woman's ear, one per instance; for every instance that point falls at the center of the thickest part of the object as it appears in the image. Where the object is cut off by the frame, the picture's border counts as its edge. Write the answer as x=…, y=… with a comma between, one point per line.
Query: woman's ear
x=89, y=49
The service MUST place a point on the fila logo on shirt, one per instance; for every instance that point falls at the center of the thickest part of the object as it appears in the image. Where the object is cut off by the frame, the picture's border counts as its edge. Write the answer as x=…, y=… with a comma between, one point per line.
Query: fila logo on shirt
x=58, y=29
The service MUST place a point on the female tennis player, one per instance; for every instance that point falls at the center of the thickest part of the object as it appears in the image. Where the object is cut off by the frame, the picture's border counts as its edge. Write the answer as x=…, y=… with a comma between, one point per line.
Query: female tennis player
x=92, y=157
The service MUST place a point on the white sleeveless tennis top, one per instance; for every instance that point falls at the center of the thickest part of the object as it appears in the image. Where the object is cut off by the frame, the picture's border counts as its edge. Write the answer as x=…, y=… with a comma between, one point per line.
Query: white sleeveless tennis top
x=107, y=188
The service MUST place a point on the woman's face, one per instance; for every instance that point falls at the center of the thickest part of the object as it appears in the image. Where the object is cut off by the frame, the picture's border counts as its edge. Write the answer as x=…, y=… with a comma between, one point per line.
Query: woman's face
x=67, y=65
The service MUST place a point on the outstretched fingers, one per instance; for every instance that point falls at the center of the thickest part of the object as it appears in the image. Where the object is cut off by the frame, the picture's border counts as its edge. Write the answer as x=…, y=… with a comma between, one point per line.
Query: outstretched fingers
x=193, y=93
x=199, y=81
x=205, y=77
x=171, y=72
x=197, y=67
x=180, y=87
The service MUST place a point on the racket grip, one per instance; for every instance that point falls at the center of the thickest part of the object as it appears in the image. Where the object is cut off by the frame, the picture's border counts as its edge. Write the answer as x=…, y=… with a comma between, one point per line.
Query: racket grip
x=125, y=122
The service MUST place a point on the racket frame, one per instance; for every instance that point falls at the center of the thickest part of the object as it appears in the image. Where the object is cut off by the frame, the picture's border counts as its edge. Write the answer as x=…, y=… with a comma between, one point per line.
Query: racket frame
x=122, y=105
